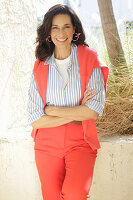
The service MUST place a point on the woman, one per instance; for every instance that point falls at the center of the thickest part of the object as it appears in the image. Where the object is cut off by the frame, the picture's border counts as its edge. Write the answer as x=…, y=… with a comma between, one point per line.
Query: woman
x=66, y=95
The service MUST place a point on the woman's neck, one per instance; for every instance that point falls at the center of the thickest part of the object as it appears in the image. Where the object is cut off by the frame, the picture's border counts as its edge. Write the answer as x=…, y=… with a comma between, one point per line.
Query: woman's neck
x=62, y=53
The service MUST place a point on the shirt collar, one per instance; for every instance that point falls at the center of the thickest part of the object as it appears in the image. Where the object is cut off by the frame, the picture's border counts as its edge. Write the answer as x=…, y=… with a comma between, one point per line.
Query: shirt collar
x=51, y=59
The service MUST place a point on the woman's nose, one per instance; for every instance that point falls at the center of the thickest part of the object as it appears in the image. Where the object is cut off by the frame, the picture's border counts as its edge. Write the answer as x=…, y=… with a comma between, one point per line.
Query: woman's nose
x=61, y=32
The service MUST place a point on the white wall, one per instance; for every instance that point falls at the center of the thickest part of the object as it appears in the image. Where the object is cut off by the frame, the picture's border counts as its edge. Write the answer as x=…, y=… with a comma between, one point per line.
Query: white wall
x=18, y=23
x=18, y=175
x=113, y=175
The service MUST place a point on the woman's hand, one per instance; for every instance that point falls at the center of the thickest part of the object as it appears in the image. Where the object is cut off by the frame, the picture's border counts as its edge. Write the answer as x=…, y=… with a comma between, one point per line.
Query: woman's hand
x=49, y=109
x=88, y=96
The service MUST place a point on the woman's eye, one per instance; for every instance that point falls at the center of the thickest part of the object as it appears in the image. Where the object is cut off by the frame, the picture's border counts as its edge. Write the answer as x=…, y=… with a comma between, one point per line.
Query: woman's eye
x=54, y=28
x=67, y=27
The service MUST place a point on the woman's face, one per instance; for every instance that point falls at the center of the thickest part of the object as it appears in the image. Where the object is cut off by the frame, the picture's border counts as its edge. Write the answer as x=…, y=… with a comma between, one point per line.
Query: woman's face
x=62, y=30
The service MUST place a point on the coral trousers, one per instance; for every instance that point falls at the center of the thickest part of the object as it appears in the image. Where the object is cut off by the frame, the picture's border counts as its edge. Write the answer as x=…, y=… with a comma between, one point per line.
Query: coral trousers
x=65, y=176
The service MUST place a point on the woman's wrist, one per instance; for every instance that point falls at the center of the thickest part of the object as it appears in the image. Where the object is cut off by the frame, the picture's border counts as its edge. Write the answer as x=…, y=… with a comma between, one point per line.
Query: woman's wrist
x=50, y=110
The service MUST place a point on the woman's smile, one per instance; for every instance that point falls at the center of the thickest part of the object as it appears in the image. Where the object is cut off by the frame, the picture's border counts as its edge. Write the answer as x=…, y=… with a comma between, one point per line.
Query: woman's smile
x=61, y=40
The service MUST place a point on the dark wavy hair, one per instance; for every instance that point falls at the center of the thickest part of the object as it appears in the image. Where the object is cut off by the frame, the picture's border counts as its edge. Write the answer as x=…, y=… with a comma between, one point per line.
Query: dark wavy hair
x=45, y=48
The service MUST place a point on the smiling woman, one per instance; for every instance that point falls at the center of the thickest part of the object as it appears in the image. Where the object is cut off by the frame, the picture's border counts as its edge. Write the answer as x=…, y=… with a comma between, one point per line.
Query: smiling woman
x=56, y=26
x=66, y=95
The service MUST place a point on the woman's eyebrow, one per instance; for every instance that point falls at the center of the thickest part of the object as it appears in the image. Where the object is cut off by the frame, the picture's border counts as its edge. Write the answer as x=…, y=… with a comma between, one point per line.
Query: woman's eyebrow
x=64, y=24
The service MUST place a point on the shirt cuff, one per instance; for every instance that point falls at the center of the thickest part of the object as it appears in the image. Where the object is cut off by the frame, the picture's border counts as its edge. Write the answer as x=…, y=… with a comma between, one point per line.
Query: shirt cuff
x=96, y=106
x=35, y=116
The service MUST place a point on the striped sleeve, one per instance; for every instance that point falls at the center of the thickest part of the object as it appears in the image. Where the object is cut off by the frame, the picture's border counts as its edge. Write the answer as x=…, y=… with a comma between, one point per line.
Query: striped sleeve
x=35, y=107
x=97, y=82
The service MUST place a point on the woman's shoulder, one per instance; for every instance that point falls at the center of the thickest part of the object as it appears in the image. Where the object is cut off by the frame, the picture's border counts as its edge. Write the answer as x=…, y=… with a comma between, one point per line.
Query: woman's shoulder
x=86, y=48
x=38, y=63
x=87, y=51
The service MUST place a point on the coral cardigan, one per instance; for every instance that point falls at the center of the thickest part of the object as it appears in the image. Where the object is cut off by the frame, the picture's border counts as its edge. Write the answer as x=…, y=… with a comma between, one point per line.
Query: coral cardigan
x=88, y=60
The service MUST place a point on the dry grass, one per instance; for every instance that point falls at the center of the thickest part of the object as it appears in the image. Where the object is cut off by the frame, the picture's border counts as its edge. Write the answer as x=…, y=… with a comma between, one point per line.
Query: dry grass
x=118, y=113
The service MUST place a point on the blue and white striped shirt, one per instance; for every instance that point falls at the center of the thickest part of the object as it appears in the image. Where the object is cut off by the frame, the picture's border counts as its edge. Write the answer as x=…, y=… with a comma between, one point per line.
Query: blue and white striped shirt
x=69, y=95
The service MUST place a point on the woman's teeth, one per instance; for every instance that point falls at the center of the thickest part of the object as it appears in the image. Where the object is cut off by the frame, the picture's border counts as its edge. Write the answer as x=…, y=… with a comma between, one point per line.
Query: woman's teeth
x=61, y=40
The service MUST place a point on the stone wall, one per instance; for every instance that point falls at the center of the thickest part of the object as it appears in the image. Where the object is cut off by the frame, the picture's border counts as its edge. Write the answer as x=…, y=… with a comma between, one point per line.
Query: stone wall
x=113, y=174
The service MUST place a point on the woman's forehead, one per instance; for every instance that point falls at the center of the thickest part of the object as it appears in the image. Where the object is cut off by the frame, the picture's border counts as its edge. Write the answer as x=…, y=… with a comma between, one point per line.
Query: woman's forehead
x=61, y=19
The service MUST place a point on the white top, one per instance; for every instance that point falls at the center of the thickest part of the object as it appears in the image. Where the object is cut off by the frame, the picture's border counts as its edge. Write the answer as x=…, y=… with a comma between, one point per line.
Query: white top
x=62, y=68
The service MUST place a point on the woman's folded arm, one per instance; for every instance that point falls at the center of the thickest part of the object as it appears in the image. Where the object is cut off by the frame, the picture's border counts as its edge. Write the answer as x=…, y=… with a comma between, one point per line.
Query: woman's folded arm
x=77, y=113
x=47, y=121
